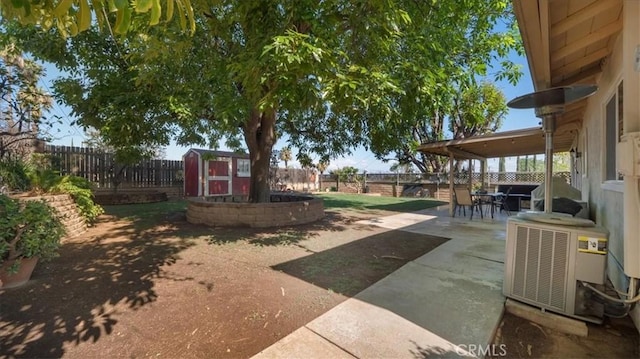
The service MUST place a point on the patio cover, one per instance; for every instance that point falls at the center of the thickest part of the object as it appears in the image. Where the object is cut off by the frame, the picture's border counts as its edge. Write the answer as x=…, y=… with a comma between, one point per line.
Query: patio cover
x=529, y=141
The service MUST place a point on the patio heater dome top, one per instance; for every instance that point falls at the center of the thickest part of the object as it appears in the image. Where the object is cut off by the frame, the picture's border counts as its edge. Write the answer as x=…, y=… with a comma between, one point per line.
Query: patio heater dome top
x=554, y=97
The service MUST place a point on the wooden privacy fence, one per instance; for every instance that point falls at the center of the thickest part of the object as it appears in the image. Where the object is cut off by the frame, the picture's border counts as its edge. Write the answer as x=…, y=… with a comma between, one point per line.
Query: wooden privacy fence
x=101, y=168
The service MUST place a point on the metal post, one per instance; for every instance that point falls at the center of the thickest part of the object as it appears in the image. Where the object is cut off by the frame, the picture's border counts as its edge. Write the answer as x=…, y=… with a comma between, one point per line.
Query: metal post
x=548, y=126
x=451, y=185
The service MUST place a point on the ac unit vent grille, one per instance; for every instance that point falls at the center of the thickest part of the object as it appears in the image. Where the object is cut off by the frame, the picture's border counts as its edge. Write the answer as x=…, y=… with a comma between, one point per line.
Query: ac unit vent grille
x=540, y=270
x=533, y=259
x=520, y=258
x=559, y=269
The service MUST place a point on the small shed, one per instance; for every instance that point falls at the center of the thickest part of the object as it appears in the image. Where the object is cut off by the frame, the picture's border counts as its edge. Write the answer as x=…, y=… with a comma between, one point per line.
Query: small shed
x=210, y=173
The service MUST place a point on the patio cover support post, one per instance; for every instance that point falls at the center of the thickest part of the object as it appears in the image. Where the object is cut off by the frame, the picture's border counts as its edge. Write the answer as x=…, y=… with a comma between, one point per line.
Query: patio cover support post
x=451, y=204
x=483, y=175
x=470, y=175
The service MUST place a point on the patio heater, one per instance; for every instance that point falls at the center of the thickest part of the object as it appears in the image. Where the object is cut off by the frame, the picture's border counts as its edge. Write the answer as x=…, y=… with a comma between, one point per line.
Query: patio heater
x=551, y=259
x=548, y=104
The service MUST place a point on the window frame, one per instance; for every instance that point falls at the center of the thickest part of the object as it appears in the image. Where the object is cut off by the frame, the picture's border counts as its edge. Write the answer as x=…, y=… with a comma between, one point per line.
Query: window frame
x=241, y=163
x=617, y=96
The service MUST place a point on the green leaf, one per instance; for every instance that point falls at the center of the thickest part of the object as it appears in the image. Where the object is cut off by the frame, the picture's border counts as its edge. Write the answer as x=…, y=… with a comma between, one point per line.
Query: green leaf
x=84, y=16
x=112, y=6
x=123, y=20
x=62, y=8
x=170, y=4
x=143, y=5
x=156, y=12
x=121, y=4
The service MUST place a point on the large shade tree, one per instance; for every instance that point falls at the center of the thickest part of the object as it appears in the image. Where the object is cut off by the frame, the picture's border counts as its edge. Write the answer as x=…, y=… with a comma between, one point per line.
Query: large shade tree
x=477, y=109
x=330, y=75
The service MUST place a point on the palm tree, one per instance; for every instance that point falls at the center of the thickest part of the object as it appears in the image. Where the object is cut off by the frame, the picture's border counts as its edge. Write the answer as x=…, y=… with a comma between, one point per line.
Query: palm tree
x=322, y=166
x=285, y=155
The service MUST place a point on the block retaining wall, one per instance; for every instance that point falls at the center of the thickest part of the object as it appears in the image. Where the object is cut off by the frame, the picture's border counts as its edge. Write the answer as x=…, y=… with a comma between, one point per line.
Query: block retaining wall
x=68, y=211
x=283, y=210
x=171, y=192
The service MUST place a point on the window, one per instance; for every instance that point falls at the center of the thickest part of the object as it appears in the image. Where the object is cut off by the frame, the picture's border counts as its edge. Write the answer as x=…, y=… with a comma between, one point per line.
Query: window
x=613, y=133
x=244, y=168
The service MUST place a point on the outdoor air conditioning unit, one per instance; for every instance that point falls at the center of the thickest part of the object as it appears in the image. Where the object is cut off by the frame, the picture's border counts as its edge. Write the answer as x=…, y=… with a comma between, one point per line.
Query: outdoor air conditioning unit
x=546, y=264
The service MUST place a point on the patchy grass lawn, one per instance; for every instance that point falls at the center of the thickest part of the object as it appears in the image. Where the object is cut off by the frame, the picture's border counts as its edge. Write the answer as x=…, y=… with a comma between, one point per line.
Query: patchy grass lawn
x=361, y=202
x=332, y=201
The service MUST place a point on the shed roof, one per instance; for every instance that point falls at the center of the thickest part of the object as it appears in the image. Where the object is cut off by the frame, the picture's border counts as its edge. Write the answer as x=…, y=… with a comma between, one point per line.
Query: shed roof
x=215, y=153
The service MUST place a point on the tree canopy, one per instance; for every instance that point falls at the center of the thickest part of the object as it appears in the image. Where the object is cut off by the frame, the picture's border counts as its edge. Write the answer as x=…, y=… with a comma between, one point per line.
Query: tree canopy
x=475, y=110
x=23, y=102
x=330, y=75
x=70, y=17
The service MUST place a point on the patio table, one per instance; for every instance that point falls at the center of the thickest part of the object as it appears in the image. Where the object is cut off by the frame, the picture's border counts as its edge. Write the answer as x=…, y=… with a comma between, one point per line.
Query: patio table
x=487, y=198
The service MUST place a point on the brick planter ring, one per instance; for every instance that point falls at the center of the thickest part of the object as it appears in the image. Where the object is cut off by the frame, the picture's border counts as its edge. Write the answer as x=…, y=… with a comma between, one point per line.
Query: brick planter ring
x=283, y=210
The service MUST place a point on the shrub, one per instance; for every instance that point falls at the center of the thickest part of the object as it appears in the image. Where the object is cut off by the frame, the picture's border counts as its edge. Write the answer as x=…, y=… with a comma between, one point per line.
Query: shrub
x=28, y=229
x=13, y=174
x=43, y=180
x=80, y=190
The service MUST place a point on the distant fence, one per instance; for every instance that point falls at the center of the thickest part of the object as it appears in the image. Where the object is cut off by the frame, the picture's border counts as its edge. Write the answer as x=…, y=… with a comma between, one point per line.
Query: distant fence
x=101, y=168
x=459, y=178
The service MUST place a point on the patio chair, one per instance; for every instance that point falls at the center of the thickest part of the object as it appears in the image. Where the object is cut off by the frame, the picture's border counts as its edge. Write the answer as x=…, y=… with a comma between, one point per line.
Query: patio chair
x=500, y=203
x=463, y=199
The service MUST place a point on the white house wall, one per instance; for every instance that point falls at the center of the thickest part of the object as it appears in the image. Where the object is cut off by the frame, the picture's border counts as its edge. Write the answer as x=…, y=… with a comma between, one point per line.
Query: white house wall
x=606, y=200
x=631, y=74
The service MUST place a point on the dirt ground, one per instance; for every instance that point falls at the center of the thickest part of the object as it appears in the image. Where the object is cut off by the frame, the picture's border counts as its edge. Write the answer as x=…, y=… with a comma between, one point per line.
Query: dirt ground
x=615, y=338
x=165, y=288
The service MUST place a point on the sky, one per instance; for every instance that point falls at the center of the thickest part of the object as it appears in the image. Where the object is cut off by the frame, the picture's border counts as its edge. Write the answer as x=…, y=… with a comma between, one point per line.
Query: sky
x=67, y=134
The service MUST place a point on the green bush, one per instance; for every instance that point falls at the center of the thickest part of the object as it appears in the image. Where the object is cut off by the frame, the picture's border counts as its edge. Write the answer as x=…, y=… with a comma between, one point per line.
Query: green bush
x=13, y=174
x=43, y=180
x=28, y=229
x=80, y=190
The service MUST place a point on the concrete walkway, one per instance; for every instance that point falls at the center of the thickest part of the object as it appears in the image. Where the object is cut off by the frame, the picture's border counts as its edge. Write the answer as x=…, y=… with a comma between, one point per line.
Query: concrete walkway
x=447, y=303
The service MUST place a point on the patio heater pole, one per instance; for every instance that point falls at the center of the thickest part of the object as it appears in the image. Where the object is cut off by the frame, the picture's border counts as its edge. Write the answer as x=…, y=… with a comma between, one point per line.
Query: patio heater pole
x=548, y=126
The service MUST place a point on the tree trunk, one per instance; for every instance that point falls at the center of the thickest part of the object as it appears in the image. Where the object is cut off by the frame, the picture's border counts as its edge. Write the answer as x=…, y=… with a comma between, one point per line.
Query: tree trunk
x=501, y=169
x=259, y=134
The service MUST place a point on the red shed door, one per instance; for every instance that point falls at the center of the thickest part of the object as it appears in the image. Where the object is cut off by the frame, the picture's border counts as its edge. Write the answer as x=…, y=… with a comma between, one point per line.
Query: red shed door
x=219, y=176
x=191, y=175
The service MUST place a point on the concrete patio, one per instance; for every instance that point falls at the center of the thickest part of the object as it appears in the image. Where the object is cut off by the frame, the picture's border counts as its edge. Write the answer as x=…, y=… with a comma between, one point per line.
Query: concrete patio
x=448, y=302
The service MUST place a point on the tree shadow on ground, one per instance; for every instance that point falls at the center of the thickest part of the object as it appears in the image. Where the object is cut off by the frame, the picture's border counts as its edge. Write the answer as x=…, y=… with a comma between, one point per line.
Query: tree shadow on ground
x=352, y=267
x=435, y=351
x=72, y=299
x=280, y=236
x=151, y=219
x=409, y=206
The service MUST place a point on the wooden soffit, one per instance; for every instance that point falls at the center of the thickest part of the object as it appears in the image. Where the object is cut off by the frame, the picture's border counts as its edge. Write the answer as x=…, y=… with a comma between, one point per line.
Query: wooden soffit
x=567, y=41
